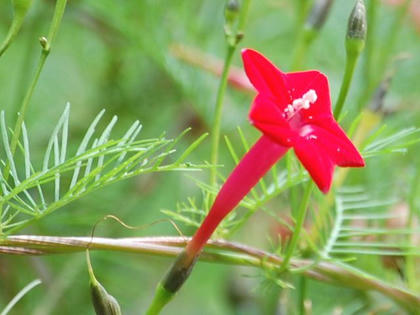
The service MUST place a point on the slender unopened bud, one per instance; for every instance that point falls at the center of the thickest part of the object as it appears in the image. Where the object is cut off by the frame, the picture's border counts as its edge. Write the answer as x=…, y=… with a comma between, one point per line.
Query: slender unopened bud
x=357, y=27
x=103, y=302
x=318, y=15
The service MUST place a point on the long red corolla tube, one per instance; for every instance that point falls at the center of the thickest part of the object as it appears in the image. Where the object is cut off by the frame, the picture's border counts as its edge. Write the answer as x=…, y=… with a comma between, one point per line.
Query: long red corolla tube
x=253, y=166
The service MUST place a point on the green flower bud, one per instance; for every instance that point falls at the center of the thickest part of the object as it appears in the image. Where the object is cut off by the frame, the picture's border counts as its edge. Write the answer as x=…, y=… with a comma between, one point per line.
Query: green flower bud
x=357, y=26
x=103, y=302
x=318, y=14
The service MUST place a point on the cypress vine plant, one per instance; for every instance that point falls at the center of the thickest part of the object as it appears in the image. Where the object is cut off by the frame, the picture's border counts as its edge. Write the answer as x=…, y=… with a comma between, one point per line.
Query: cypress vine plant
x=344, y=237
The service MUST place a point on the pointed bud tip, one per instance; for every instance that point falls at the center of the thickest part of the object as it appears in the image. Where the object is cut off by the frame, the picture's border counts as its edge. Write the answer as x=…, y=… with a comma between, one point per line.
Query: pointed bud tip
x=357, y=25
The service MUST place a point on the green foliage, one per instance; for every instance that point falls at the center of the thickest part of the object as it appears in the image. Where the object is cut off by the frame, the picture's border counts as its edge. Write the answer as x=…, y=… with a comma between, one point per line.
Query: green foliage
x=98, y=161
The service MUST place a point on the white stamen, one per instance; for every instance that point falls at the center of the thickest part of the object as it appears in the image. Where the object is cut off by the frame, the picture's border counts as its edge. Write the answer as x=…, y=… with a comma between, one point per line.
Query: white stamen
x=304, y=102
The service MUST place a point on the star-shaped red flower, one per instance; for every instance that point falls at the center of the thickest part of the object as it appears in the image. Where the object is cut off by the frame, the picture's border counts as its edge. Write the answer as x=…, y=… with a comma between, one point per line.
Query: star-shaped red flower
x=294, y=110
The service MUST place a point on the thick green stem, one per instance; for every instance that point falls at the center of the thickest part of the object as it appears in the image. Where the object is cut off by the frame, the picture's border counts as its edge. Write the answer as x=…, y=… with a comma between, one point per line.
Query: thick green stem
x=300, y=219
x=162, y=297
x=351, y=62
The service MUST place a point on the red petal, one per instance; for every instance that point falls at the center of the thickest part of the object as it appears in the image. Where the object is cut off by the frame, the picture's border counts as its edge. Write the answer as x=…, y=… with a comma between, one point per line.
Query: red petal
x=265, y=110
x=335, y=142
x=265, y=77
x=302, y=82
x=276, y=133
x=316, y=161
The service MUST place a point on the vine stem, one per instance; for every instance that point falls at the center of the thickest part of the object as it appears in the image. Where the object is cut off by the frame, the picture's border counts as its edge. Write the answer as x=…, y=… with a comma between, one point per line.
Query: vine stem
x=351, y=62
x=46, y=48
x=215, y=138
x=232, y=44
x=216, y=251
x=300, y=219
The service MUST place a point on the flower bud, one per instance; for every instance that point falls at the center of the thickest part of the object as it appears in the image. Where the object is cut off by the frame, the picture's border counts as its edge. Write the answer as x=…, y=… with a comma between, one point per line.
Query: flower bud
x=357, y=26
x=103, y=302
x=318, y=14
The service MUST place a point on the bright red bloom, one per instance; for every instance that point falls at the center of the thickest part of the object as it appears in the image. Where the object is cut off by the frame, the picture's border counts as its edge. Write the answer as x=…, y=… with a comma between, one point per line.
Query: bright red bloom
x=291, y=110
x=294, y=110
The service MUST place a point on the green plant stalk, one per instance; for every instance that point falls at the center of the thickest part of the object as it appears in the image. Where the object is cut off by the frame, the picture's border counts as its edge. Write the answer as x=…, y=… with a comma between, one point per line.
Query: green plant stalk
x=46, y=47
x=232, y=41
x=215, y=134
x=302, y=294
x=216, y=251
x=300, y=219
x=157, y=303
x=21, y=8
x=351, y=62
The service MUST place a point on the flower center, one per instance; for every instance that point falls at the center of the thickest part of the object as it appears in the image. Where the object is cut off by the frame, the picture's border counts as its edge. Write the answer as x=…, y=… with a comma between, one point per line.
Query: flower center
x=304, y=102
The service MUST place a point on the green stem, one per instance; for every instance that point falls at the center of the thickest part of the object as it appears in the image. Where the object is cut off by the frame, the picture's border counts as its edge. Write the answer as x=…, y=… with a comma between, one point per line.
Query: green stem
x=21, y=8
x=215, y=137
x=46, y=47
x=232, y=41
x=302, y=294
x=162, y=297
x=351, y=61
x=300, y=219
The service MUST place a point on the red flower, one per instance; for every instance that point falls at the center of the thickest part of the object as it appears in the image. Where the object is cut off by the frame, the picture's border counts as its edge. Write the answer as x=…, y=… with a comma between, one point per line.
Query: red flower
x=291, y=110
x=294, y=110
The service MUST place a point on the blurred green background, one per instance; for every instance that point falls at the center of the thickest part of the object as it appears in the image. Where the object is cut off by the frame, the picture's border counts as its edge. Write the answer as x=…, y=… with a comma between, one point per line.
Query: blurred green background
x=116, y=55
